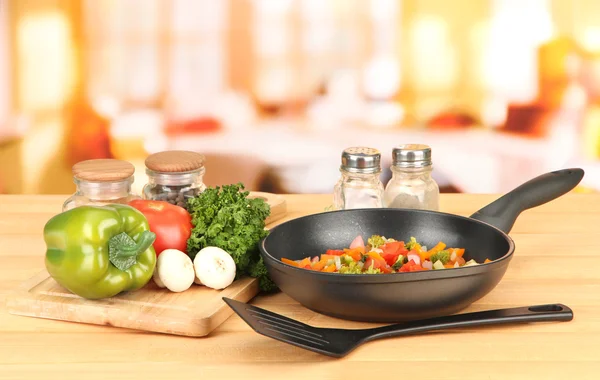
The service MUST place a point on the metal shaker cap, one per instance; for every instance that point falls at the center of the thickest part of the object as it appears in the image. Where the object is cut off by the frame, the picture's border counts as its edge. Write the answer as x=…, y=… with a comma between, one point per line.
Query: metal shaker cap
x=361, y=160
x=411, y=156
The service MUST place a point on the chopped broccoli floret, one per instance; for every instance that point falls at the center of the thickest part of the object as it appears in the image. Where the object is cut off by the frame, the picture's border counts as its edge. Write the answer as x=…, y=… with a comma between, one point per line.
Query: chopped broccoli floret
x=352, y=268
x=375, y=241
x=443, y=256
x=345, y=259
x=411, y=244
x=372, y=270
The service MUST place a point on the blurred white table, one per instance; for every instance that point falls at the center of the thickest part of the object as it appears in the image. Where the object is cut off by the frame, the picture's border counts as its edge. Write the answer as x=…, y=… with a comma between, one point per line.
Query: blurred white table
x=474, y=160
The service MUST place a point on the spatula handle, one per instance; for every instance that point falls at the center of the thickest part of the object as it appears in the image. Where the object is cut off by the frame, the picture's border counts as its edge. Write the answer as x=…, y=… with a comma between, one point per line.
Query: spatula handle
x=538, y=313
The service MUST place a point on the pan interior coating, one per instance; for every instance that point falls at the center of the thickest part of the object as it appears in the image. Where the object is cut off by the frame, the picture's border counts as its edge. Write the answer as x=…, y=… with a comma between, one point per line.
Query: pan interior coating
x=314, y=234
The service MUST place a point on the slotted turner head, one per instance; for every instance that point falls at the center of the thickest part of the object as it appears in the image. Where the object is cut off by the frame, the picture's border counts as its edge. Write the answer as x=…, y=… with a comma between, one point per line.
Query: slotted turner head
x=332, y=342
x=339, y=342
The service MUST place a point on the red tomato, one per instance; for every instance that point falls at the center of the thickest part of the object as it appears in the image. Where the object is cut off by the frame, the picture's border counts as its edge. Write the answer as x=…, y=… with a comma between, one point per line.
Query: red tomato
x=377, y=264
x=392, y=250
x=171, y=224
x=411, y=266
x=335, y=252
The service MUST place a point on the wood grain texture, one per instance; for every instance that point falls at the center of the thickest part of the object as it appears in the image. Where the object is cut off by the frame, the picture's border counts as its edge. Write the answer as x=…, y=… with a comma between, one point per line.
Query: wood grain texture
x=195, y=312
x=556, y=246
x=103, y=170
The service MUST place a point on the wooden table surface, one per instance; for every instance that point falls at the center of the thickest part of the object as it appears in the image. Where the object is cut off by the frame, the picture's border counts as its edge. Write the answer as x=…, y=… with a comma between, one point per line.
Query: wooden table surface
x=555, y=261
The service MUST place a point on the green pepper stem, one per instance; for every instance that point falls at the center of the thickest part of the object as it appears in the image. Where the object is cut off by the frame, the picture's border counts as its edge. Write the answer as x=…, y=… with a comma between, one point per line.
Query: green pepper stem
x=146, y=240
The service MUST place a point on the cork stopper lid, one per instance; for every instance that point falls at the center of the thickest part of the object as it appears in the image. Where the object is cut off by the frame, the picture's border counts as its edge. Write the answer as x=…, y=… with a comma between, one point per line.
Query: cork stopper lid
x=103, y=170
x=175, y=161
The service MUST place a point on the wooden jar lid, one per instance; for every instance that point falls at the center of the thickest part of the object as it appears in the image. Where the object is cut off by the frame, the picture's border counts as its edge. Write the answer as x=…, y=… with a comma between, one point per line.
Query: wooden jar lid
x=175, y=161
x=103, y=170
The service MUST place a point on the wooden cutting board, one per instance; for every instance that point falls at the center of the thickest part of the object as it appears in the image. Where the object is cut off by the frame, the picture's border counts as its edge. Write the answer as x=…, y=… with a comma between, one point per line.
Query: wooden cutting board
x=195, y=312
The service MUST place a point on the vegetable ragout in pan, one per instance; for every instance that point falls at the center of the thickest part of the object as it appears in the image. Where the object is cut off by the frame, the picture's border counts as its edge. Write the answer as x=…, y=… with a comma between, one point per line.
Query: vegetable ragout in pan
x=383, y=255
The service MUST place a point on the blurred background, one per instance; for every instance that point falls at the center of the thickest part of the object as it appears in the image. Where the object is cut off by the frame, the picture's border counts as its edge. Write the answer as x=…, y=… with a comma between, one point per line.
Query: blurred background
x=272, y=91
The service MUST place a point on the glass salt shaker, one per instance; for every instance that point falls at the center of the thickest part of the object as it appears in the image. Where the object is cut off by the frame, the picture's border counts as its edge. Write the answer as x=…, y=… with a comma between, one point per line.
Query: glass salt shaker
x=174, y=176
x=359, y=185
x=100, y=182
x=411, y=185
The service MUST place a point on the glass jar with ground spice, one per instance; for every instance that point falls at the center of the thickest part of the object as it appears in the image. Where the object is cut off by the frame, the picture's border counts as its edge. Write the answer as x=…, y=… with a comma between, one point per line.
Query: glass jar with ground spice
x=359, y=185
x=174, y=176
x=412, y=185
x=100, y=182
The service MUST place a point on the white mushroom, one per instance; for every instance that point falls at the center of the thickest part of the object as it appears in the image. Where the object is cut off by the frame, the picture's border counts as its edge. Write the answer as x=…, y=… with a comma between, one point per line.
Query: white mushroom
x=175, y=270
x=214, y=268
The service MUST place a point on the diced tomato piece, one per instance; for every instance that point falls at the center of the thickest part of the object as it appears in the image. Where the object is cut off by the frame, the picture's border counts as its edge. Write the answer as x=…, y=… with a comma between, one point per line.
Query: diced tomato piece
x=378, y=264
x=392, y=250
x=291, y=262
x=411, y=266
x=393, y=247
x=460, y=261
x=390, y=259
x=335, y=252
x=386, y=269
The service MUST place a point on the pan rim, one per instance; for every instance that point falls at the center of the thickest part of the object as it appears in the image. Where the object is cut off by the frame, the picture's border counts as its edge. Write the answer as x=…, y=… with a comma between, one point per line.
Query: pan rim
x=392, y=277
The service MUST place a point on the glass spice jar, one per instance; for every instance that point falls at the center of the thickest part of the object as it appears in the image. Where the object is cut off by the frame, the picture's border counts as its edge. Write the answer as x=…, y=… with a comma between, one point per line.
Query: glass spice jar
x=359, y=185
x=174, y=176
x=411, y=185
x=100, y=182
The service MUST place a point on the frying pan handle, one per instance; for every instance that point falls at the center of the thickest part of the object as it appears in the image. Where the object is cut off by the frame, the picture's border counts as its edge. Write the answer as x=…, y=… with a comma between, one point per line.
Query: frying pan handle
x=503, y=212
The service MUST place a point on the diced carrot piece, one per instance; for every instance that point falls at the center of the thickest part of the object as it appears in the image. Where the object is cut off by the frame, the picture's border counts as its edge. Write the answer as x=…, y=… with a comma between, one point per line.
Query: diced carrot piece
x=487, y=261
x=304, y=263
x=448, y=265
x=327, y=257
x=329, y=268
x=438, y=247
x=459, y=252
x=417, y=247
x=291, y=262
x=319, y=265
x=355, y=253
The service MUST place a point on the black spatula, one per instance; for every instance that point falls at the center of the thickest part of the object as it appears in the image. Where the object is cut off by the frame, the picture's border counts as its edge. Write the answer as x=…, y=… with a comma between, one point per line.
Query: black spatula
x=339, y=342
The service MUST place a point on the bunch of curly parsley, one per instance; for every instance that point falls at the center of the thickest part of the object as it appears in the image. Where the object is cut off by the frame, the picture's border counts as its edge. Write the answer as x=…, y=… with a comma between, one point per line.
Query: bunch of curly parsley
x=226, y=218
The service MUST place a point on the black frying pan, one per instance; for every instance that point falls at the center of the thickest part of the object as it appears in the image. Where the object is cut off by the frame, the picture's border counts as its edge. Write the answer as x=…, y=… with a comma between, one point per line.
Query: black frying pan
x=405, y=296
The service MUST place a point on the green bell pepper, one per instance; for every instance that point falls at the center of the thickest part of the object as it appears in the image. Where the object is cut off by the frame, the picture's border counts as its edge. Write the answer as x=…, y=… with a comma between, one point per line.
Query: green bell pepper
x=100, y=251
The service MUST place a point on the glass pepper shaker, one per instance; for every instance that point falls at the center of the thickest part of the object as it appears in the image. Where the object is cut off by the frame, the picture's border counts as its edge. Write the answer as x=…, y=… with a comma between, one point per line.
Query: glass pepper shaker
x=411, y=185
x=359, y=185
x=174, y=176
x=100, y=182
